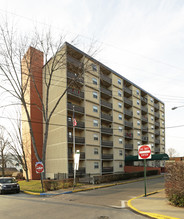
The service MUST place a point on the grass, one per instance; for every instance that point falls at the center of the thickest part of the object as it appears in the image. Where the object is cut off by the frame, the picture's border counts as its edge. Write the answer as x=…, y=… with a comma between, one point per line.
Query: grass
x=32, y=186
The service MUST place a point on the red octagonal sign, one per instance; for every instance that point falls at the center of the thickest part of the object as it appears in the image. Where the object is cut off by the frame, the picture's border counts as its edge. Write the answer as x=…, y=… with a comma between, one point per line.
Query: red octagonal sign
x=39, y=167
x=144, y=152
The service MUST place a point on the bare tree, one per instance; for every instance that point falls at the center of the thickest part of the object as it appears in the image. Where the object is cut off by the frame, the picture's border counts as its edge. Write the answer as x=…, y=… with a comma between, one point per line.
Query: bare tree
x=4, y=146
x=172, y=152
x=16, y=62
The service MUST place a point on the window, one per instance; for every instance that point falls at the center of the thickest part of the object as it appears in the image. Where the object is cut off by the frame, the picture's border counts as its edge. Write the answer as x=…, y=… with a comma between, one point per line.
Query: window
x=69, y=119
x=96, y=165
x=138, y=102
x=138, y=133
x=162, y=131
x=95, y=81
x=162, y=123
x=137, y=91
x=138, y=122
x=95, y=95
x=152, y=109
x=70, y=134
x=152, y=136
x=138, y=112
x=162, y=115
x=120, y=165
x=120, y=129
x=120, y=117
x=119, y=93
x=152, y=118
x=152, y=127
x=95, y=150
x=162, y=106
x=152, y=145
x=120, y=141
x=138, y=143
x=119, y=105
x=95, y=123
x=120, y=153
x=163, y=139
x=94, y=67
x=95, y=137
x=95, y=109
x=151, y=100
x=119, y=81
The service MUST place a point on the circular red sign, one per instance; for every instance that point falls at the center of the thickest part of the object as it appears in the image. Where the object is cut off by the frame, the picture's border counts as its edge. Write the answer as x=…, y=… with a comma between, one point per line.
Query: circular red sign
x=39, y=167
x=144, y=151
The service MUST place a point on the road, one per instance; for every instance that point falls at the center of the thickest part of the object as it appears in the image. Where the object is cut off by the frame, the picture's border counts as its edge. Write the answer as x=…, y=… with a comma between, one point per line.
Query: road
x=103, y=203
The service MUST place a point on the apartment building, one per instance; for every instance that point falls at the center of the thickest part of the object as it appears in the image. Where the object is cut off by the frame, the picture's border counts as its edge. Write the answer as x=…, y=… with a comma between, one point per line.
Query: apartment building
x=114, y=116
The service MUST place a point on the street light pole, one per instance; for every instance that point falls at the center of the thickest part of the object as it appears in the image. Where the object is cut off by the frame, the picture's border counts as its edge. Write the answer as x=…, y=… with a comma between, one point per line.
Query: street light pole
x=176, y=107
x=74, y=148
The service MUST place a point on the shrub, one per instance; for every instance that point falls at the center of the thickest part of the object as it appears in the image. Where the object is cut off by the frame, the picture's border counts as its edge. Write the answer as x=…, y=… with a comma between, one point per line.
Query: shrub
x=50, y=185
x=174, y=183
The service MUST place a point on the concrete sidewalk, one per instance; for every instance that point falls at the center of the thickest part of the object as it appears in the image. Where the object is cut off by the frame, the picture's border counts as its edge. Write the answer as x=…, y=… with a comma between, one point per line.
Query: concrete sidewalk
x=156, y=205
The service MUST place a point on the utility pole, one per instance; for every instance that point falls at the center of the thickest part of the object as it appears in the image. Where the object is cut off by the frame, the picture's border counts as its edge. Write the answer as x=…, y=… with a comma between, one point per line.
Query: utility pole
x=74, y=123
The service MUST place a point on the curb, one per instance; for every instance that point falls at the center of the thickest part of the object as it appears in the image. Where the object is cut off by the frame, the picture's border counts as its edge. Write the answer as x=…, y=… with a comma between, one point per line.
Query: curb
x=92, y=188
x=151, y=215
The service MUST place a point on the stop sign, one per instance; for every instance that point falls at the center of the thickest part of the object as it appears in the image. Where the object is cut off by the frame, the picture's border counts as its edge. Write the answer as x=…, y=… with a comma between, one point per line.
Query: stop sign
x=39, y=167
x=144, y=152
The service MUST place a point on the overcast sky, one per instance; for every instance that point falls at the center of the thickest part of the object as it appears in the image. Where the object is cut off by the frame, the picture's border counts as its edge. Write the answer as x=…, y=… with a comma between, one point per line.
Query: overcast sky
x=143, y=40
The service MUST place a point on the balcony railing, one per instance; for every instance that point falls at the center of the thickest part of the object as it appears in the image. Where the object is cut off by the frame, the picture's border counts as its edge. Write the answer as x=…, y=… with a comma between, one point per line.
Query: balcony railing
x=74, y=76
x=74, y=61
x=106, y=91
x=108, y=144
x=107, y=156
x=79, y=124
x=129, y=135
x=76, y=93
x=128, y=101
x=145, y=129
x=157, y=124
x=156, y=105
x=128, y=124
x=106, y=117
x=82, y=156
x=157, y=150
x=128, y=146
x=127, y=90
x=157, y=141
x=105, y=78
x=128, y=113
x=144, y=100
x=144, y=119
x=78, y=109
x=157, y=132
x=78, y=140
x=107, y=169
x=80, y=171
x=157, y=115
x=106, y=130
x=145, y=109
x=106, y=104
x=144, y=138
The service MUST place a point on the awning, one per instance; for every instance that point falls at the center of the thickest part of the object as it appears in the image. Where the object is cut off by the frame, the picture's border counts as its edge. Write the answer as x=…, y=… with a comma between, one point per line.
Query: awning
x=153, y=157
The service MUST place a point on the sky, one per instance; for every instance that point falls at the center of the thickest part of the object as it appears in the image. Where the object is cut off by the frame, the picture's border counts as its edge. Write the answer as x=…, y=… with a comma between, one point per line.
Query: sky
x=139, y=39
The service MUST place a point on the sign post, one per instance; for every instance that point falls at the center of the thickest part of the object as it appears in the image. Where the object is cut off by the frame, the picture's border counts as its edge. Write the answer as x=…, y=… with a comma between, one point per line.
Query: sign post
x=144, y=152
x=40, y=169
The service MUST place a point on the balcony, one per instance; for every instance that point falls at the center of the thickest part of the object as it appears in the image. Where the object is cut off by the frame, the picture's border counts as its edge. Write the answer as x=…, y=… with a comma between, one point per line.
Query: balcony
x=144, y=100
x=76, y=108
x=127, y=102
x=128, y=124
x=128, y=113
x=156, y=105
x=107, y=144
x=79, y=124
x=106, y=92
x=144, y=138
x=106, y=117
x=157, y=124
x=78, y=140
x=128, y=146
x=82, y=156
x=145, y=129
x=157, y=115
x=127, y=91
x=157, y=141
x=107, y=156
x=144, y=119
x=74, y=61
x=107, y=170
x=157, y=150
x=106, y=104
x=157, y=132
x=75, y=93
x=129, y=135
x=75, y=77
x=144, y=109
x=107, y=131
x=80, y=172
x=105, y=79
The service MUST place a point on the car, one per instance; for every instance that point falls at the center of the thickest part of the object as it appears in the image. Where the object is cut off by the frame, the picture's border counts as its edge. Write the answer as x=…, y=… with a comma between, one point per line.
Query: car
x=8, y=185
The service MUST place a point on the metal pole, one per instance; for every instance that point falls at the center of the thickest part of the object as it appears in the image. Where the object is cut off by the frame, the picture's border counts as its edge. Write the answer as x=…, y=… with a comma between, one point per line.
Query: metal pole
x=74, y=148
x=145, y=177
x=42, y=181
